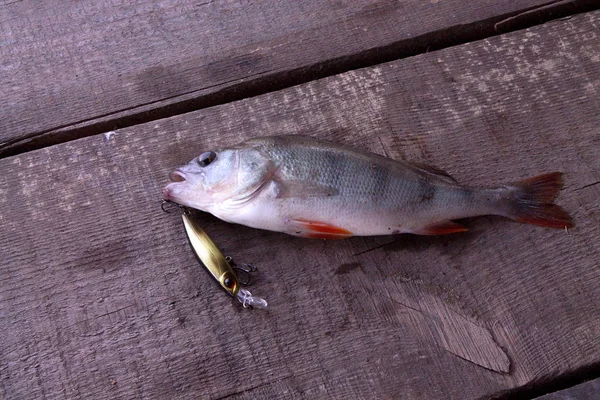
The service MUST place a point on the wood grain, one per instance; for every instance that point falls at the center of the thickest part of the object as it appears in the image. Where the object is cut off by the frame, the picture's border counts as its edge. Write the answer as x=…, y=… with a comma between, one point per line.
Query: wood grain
x=72, y=68
x=101, y=297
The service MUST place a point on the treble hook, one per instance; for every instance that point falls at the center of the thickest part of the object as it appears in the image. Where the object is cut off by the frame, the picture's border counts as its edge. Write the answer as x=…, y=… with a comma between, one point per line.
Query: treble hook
x=165, y=202
x=247, y=270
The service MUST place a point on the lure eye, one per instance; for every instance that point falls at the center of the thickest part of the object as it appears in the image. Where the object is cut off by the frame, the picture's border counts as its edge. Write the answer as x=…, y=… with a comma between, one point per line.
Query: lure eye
x=229, y=282
x=206, y=158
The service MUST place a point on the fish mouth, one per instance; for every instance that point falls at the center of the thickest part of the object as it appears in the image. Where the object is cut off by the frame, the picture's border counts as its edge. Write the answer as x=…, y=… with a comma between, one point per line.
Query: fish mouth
x=184, y=189
x=177, y=176
x=167, y=193
x=173, y=189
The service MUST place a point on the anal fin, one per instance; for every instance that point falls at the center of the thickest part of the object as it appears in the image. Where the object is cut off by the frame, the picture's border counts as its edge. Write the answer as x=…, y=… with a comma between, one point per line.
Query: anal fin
x=318, y=229
x=440, y=228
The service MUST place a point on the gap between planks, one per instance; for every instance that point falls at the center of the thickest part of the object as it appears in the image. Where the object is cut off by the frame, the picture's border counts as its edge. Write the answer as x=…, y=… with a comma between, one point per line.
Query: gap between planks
x=265, y=81
x=554, y=384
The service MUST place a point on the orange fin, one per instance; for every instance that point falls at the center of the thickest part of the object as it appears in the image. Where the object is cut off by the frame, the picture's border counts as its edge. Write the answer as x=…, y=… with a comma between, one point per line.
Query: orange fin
x=533, y=202
x=440, y=228
x=434, y=170
x=318, y=230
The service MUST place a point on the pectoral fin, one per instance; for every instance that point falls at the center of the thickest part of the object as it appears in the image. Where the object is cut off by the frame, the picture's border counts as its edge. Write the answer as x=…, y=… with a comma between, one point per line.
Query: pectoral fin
x=301, y=189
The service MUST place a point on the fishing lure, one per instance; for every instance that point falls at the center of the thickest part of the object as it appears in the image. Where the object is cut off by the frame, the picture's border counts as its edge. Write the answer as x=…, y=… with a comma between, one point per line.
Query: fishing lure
x=218, y=265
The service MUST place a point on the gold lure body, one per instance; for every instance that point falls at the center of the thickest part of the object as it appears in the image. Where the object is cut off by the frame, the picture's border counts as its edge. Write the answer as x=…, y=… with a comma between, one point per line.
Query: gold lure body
x=210, y=255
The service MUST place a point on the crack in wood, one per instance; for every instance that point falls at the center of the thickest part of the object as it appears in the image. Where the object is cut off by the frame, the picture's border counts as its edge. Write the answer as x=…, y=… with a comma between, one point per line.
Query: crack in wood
x=205, y=3
x=548, y=384
x=7, y=145
x=239, y=392
x=372, y=249
x=586, y=186
x=541, y=7
x=8, y=3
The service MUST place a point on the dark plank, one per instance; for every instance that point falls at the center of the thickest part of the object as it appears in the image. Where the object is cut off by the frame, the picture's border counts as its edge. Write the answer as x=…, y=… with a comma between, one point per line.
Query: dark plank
x=72, y=68
x=585, y=391
x=101, y=296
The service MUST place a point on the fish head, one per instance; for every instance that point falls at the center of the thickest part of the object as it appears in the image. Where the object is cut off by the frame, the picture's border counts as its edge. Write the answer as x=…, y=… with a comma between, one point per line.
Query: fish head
x=217, y=177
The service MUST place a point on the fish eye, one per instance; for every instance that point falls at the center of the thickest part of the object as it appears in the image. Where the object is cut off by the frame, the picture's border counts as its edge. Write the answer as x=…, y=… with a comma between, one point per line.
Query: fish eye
x=206, y=158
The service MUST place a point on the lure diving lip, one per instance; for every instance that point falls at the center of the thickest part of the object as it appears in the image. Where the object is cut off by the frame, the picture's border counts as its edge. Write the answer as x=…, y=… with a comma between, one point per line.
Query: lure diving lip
x=217, y=264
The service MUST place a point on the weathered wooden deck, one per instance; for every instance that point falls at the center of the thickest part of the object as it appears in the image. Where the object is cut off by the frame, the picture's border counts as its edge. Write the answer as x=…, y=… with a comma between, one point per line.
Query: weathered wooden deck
x=100, y=294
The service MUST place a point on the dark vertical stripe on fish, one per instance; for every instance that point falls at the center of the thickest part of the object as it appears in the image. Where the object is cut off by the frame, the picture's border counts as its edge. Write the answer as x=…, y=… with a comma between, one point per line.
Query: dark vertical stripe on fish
x=380, y=182
x=334, y=162
x=426, y=189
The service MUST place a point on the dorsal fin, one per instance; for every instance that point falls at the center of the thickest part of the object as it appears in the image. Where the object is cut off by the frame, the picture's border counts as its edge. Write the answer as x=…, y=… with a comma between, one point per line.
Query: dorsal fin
x=433, y=170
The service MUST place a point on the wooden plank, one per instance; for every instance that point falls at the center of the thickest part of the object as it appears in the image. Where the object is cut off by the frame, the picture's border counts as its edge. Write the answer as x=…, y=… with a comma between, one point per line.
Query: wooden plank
x=585, y=391
x=101, y=296
x=72, y=68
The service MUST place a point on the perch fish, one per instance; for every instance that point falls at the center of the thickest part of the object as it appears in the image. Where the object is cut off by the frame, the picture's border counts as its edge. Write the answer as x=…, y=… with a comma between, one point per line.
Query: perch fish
x=318, y=189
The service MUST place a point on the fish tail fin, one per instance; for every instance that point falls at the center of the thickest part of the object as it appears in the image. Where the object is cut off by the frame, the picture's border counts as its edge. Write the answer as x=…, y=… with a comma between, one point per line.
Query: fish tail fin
x=533, y=202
